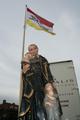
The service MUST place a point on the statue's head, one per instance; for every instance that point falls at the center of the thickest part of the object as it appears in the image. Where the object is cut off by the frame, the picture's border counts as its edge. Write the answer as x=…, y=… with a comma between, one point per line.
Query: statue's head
x=33, y=49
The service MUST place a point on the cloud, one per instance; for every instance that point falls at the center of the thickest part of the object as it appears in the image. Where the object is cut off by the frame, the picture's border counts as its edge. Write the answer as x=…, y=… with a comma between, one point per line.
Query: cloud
x=67, y=21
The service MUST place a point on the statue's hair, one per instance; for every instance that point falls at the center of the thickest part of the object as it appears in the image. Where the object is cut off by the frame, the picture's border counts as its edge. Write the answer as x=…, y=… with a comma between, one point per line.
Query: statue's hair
x=32, y=45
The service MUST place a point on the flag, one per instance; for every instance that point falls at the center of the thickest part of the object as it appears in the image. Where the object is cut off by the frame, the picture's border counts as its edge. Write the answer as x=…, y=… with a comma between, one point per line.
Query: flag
x=39, y=23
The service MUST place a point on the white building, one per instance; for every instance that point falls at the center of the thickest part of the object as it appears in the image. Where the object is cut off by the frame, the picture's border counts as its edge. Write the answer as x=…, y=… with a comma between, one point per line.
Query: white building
x=66, y=84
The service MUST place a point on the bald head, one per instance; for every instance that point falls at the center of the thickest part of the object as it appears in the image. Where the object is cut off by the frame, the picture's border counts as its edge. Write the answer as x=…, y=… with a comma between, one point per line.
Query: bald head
x=32, y=45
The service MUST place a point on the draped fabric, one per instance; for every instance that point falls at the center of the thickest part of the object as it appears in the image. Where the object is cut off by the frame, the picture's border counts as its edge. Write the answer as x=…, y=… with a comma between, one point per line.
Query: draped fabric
x=34, y=80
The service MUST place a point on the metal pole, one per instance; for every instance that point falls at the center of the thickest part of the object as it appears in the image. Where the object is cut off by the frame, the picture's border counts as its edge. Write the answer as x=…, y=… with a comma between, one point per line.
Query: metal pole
x=21, y=79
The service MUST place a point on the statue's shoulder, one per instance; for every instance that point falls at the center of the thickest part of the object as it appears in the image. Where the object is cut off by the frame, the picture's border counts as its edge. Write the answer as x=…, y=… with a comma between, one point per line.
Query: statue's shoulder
x=43, y=59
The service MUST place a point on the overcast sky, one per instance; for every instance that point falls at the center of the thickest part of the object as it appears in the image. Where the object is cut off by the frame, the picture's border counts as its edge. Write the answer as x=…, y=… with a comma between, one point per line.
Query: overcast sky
x=65, y=45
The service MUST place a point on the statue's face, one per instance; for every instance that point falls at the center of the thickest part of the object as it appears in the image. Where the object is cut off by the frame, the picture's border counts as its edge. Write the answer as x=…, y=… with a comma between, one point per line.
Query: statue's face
x=33, y=50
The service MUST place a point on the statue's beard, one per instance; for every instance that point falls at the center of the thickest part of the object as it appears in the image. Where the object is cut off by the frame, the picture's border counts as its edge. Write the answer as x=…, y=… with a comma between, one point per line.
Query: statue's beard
x=35, y=56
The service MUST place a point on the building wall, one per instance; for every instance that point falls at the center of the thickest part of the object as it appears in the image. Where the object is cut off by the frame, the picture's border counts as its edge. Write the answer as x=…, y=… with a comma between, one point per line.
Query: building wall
x=66, y=84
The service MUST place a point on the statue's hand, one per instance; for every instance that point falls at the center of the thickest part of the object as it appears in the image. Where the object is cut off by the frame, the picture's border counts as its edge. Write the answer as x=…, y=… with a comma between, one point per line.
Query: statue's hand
x=26, y=67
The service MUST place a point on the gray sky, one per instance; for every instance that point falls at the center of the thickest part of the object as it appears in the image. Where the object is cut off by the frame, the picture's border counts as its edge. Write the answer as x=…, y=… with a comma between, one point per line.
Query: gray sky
x=65, y=45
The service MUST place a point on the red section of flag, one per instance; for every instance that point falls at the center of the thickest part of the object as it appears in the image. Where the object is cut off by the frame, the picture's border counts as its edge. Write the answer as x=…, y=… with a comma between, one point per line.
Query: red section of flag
x=42, y=20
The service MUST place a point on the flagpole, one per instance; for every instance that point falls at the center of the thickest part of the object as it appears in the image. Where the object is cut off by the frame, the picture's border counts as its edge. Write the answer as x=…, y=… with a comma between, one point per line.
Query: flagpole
x=21, y=79
x=24, y=36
